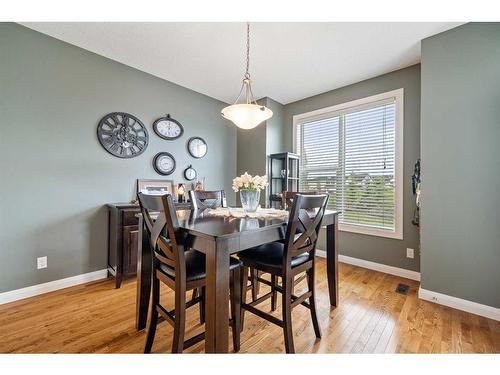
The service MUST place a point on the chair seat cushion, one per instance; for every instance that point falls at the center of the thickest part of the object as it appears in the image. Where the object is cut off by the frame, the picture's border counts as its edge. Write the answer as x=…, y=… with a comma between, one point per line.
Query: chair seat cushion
x=270, y=255
x=195, y=266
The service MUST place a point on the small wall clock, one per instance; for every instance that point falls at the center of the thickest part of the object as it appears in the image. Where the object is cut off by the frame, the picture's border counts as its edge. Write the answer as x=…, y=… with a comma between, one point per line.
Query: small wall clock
x=164, y=163
x=197, y=147
x=190, y=173
x=122, y=135
x=168, y=128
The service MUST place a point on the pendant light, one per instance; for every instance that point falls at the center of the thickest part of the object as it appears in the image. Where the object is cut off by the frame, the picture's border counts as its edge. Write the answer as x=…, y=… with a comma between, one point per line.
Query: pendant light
x=249, y=114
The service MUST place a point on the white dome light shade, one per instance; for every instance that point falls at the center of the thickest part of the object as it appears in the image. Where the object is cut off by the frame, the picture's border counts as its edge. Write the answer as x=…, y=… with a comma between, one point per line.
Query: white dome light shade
x=247, y=116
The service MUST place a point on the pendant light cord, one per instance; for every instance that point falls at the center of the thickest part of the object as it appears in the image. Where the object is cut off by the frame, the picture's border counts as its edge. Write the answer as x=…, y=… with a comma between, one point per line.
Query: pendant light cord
x=246, y=85
x=247, y=74
x=248, y=114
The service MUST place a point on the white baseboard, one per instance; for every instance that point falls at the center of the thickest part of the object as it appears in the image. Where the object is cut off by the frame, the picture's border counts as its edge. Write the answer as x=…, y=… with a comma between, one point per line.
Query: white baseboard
x=460, y=304
x=401, y=272
x=34, y=290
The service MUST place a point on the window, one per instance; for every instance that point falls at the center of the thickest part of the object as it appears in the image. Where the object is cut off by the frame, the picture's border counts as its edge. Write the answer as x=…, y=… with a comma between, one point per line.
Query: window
x=354, y=151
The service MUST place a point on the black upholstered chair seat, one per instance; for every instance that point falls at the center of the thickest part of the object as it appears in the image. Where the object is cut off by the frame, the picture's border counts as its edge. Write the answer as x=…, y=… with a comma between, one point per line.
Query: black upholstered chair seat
x=270, y=255
x=195, y=266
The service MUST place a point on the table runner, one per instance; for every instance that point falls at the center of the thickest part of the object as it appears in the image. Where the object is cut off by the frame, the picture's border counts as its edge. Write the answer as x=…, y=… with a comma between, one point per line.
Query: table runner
x=261, y=213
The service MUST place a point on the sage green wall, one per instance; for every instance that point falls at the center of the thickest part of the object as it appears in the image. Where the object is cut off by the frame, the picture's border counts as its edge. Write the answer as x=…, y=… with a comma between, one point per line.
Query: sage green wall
x=56, y=177
x=377, y=249
x=251, y=150
x=461, y=163
x=256, y=144
x=275, y=136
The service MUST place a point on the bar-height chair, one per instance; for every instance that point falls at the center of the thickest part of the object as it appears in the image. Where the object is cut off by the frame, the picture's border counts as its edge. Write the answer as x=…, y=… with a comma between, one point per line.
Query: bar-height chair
x=182, y=269
x=288, y=196
x=201, y=200
x=287, y=202
x=287, y=260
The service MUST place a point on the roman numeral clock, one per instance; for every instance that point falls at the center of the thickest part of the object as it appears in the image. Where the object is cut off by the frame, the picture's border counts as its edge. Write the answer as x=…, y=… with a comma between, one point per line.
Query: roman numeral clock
x=122, y=135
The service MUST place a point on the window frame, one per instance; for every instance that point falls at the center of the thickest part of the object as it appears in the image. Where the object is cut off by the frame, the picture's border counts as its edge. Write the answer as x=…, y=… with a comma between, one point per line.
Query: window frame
x=358, y=104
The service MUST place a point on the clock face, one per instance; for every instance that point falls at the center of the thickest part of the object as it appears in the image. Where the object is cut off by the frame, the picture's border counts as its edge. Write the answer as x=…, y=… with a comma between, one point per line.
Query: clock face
x=190, y=173
x=197, y=147
x=164, y=163
x=168, y=128
x=122, y=135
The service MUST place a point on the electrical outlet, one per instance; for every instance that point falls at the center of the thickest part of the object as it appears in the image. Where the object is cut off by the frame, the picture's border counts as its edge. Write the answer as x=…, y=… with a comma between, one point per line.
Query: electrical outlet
x=41, y=262
x=410, y=253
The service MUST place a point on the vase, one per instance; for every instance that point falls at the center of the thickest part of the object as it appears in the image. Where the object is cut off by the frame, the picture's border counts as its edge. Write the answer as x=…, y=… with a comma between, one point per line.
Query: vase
x=250, y=200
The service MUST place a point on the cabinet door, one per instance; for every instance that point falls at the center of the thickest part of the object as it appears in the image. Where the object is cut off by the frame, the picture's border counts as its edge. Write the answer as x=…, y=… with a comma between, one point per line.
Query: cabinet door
x=130, y=243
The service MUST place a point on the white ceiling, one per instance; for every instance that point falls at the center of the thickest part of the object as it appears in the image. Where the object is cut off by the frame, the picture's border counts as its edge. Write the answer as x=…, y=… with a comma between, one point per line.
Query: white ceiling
x=288, y=62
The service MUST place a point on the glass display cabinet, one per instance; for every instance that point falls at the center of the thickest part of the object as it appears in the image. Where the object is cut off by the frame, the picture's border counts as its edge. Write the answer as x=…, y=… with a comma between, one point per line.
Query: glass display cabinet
x=283, y=176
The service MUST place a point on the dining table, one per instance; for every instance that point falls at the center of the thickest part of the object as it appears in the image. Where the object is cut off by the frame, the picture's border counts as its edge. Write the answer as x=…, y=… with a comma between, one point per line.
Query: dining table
x=218, y=237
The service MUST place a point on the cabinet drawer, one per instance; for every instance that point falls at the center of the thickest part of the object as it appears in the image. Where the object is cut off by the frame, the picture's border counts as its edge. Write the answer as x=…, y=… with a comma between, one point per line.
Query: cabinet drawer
x=129, y=218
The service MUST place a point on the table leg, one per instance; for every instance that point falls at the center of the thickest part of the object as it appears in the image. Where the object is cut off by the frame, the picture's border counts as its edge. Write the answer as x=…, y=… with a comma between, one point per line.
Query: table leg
x=217, y=297
x=144, y=269
x=332, y=259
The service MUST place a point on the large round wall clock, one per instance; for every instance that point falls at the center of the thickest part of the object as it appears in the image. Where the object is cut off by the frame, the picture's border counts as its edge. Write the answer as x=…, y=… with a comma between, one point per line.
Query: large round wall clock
x=164, y=163
x=197, y=147
x=122, y=135
x=168, y=128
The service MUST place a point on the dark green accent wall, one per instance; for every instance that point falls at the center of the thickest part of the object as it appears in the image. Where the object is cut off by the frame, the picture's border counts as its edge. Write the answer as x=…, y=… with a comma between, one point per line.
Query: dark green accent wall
x=56, y=177
x=377, y=249
x=461, y=163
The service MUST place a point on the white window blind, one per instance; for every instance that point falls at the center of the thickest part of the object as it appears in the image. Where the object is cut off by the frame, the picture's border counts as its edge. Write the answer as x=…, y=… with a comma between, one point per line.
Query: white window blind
x=352, y=154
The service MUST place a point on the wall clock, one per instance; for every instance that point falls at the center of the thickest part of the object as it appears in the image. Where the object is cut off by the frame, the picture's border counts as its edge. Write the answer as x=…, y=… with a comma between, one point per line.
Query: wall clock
x=122, y=135
x=164, y=163
x=197, y=147
x=168, y=128
x=190, y=173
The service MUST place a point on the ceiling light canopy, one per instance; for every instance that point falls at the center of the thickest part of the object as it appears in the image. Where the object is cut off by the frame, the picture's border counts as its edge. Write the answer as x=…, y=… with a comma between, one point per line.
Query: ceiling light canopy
x=249, y=114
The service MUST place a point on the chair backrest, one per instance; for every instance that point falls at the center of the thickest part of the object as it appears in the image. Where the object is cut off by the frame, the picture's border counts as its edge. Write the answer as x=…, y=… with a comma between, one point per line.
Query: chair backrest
x=161, y=222
x=288, y=196
x=201, y=200
x=304, y=223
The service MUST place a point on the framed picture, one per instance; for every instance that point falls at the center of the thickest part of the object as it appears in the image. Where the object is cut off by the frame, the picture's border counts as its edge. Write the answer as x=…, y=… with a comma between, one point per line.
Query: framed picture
x=156, y=187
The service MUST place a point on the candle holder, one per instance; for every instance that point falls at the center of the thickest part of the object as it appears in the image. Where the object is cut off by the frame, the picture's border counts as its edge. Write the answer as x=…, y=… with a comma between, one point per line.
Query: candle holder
x=181, y=193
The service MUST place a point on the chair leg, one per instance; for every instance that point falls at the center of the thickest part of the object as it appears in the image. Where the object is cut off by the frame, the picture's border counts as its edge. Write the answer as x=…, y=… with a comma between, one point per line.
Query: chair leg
x=244, y=277
x=236, y=307
x=154, y=316
x=312, y=302
x=180, y=320
x=274, y=297
x=202, y=305
x=287, y=314
x=255, y=284
x=195, y=293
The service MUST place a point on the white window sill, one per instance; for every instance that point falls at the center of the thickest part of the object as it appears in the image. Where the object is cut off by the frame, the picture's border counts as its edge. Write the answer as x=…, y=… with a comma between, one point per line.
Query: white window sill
x=397, y=235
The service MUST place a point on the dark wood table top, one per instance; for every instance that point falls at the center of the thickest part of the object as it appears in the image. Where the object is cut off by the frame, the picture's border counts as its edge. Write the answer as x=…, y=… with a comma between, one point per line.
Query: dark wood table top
x=202, y=223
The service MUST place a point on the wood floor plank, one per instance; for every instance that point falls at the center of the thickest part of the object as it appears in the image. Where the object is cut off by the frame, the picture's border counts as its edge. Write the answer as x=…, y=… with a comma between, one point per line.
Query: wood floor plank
x=371, y=318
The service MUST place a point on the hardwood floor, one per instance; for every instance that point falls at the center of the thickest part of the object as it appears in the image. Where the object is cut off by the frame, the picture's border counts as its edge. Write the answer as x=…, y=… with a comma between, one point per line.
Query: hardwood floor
x=371, y=318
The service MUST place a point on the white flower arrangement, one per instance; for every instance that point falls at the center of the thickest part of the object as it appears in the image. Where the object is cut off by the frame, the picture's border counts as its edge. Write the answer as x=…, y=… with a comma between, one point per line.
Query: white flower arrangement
x=249, y=182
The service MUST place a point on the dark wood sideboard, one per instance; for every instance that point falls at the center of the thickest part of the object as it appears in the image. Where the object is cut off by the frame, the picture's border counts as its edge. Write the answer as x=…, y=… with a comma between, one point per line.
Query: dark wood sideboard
x=123, y=230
